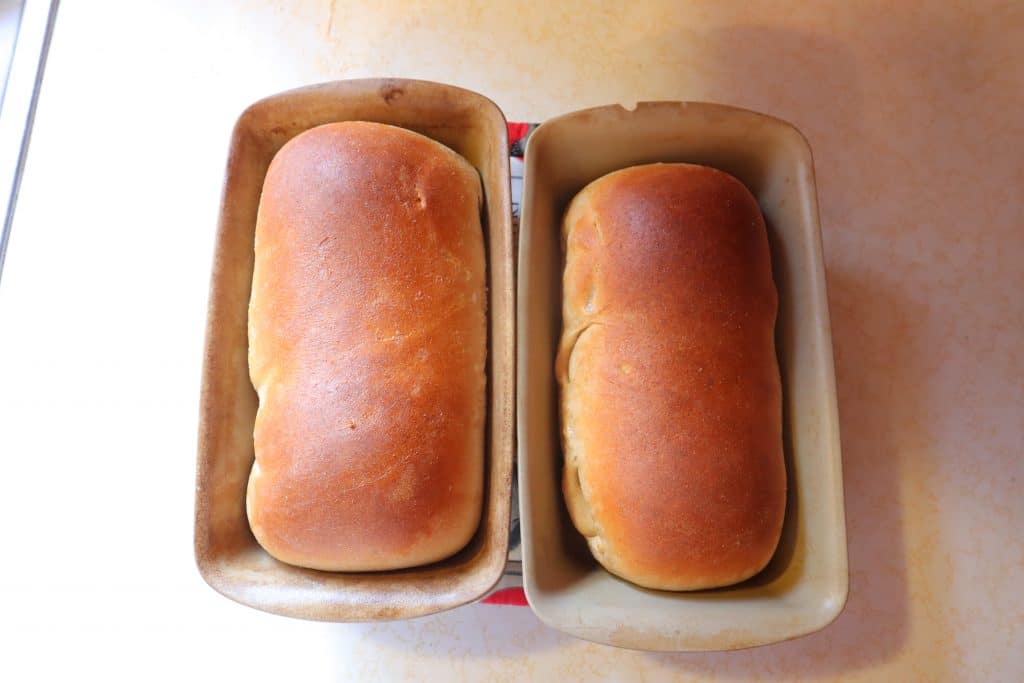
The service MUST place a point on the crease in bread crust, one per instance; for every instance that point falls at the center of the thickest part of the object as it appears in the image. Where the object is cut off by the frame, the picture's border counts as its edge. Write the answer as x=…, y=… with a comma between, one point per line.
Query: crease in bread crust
x=574, y=479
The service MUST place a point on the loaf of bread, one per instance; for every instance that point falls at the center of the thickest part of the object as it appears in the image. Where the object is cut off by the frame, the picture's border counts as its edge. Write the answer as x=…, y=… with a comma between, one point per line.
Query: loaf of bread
x=670, y=391
x=367, y=348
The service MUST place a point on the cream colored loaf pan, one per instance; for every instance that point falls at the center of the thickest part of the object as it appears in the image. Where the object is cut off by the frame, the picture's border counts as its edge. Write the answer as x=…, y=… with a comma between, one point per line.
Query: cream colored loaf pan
x=804, y=587
x=227, y=554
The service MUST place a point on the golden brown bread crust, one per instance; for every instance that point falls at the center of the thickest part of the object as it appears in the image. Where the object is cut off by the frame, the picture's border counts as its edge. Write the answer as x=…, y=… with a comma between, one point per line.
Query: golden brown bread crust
x=670, y=389
x=367, y=343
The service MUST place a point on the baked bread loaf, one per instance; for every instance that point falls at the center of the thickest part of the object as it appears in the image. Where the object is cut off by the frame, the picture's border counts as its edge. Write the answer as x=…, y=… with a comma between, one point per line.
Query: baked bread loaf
x=670, y=390
x=367, y=348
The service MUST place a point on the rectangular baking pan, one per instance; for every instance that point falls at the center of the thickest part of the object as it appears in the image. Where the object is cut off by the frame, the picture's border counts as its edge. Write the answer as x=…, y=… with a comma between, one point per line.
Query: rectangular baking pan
x=805, y=586
x=228, y=556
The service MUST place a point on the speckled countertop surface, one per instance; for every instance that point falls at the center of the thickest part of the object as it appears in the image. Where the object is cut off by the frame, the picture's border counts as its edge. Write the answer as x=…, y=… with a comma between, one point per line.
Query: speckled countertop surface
x=915, y=117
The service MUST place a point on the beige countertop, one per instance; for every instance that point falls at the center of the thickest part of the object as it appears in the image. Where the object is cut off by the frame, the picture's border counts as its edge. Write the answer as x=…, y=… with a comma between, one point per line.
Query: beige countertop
x=914, y=112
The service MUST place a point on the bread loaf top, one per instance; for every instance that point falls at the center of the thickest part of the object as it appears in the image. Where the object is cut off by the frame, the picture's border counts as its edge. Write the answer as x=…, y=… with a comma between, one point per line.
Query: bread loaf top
x=367, y=348
x=670, y=389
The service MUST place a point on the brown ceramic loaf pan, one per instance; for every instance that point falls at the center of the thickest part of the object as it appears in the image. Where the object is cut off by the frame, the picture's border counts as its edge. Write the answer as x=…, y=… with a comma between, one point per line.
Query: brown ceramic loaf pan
x=804, y=587
x=228, y=556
